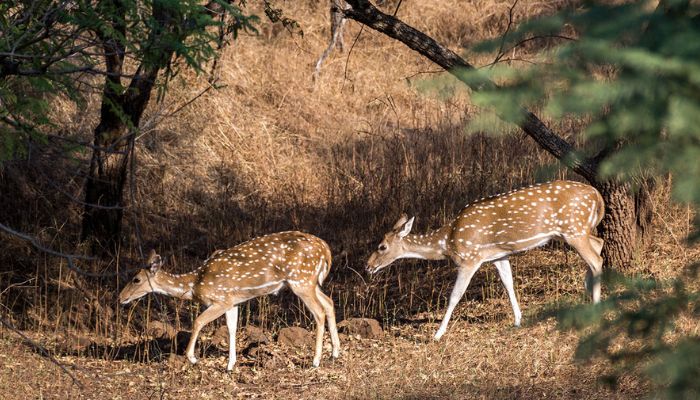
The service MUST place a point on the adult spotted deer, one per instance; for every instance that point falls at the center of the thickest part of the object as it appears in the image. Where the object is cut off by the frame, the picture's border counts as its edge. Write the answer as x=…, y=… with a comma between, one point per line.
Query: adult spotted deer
x=255, y=268
x=493, y=228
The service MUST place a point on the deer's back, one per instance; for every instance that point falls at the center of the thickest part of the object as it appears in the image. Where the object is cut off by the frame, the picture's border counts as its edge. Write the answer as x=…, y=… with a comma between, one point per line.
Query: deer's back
x=527, y=216
x=263, y=264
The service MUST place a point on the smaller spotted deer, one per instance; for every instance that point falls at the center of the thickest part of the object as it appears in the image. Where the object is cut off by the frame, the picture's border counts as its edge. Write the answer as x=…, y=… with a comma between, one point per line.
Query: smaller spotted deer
x=493, y=228
x=255, y=268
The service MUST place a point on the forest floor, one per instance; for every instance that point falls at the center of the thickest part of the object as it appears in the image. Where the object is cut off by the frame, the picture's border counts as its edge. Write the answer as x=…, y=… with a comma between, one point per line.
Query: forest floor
x=475, y=359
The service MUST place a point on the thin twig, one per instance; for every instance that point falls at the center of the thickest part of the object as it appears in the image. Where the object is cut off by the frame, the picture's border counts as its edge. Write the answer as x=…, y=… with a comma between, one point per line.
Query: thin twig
x=42, y=351
x=77, y=200
x=501, y=53
x=520, y=43
x=132, y=195
x=347, y=59
x=398, y=5
x=437, y=71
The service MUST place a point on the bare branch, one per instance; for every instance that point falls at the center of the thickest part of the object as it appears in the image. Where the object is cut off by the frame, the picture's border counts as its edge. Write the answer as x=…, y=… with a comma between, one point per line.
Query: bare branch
x=347, y=59
x=337, y=26
x=501, y=53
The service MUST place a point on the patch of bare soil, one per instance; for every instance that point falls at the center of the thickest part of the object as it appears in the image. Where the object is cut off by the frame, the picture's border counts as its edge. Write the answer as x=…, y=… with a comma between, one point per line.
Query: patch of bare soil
x=475, y=360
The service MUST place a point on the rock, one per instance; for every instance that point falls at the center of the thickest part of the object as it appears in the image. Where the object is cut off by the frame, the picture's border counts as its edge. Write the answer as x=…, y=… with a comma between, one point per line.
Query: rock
x=159, y=329
x=366, y=328
x=248, y=336
x=295, y=336
x=77, y=343
x=177, y=362
x=220, y=337
x=254, y=336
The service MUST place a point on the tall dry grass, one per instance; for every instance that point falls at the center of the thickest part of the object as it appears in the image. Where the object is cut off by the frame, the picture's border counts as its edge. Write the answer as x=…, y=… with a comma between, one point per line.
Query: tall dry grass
x=380, y=133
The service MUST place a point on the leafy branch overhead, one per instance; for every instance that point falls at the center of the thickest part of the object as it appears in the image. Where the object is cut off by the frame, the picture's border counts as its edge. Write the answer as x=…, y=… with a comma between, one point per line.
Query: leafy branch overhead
x=633, y=71
x=50, y=48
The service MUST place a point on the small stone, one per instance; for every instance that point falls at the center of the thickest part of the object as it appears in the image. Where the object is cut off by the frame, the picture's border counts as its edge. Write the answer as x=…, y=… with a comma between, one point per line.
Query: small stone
x=254, y=335
x=159, y=329
x=220, y=337
x=366, y=328
x=295, y=336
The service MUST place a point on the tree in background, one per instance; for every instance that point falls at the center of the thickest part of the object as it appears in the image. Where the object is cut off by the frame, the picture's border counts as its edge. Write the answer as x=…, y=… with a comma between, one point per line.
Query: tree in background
x=124, y=48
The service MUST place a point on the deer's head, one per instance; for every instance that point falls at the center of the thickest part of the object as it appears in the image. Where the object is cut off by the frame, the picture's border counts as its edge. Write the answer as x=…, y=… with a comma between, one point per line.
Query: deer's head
x=144, y=282
x=392, y=246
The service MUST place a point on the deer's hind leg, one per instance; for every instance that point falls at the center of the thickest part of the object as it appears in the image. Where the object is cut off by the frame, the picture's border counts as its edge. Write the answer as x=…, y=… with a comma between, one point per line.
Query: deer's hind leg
x=585, y=248
x=328, y=306
x=307, y=294
x=596, y=242
x=232, y=324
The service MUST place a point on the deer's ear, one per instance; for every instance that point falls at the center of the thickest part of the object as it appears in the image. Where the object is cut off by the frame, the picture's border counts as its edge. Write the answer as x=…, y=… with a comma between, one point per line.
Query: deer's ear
x=155, y=261
x=406, y=228
x=400, y=223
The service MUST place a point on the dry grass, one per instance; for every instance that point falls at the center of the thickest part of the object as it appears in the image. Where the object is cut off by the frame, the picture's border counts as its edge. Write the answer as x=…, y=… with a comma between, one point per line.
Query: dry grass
x=489, y=360
x=377, y=135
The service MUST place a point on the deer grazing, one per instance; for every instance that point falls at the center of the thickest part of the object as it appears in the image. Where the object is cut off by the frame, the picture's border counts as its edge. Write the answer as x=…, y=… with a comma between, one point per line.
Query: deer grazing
x=493, y=228
x=255, y=268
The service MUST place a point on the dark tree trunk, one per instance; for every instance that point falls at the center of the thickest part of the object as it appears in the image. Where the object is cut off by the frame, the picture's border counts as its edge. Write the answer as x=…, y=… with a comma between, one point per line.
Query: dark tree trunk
x=104, y=187
x=618, y=226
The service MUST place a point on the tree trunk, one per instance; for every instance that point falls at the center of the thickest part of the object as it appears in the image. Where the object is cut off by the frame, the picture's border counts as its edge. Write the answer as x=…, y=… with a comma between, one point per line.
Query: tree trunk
x=618, y=228
x=104, y=187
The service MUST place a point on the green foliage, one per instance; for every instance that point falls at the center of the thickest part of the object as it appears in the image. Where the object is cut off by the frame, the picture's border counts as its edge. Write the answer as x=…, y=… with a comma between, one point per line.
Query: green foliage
x=633, y=71
x=47, y=47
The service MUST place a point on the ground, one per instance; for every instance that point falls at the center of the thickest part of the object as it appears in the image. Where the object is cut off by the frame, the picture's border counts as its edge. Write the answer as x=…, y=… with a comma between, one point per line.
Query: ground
x=476, y=360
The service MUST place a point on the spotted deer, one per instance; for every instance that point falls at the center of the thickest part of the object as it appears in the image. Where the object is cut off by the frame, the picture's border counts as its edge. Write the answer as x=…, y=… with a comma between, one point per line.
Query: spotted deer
x=255, y=268
x=493, y=228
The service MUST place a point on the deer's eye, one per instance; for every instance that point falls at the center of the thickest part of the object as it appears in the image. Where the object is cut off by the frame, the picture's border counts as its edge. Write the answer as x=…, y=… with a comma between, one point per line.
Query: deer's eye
x=137, y=280
x=382, y=247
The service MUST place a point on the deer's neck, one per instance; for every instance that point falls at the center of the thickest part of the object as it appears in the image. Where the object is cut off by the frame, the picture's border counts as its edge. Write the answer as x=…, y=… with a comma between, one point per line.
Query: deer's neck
x=429, y=246
x=176, y=285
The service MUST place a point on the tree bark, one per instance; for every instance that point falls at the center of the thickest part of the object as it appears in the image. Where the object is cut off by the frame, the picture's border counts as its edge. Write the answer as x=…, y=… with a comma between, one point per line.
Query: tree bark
x=104, y=187
x=618, y=226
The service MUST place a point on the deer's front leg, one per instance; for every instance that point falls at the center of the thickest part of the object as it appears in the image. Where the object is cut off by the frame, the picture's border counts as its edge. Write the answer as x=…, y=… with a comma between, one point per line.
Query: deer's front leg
x=464, y=276
x=232, y=323
x=210, y=314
